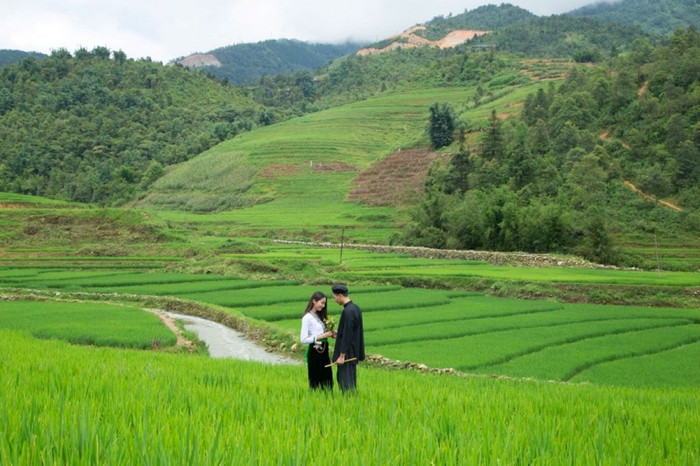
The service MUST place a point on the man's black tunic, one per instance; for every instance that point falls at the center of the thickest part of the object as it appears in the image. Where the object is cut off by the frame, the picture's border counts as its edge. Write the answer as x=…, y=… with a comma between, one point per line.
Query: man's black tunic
x=350, y=339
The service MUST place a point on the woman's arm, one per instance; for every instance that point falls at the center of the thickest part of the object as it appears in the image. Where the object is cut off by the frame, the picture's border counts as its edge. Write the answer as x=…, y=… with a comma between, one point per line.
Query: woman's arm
x=305, y=334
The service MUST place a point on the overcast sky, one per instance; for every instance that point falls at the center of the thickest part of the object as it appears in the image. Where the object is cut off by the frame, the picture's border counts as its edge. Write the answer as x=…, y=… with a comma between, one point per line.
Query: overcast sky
x=168, y=29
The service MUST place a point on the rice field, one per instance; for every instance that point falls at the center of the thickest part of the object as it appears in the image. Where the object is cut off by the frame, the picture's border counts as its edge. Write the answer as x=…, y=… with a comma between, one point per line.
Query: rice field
x=66, y=404
x=293, y=164
x=466, y=331
x=83, y=323
x=15, y=199
x=541, y=382
x=356, y=265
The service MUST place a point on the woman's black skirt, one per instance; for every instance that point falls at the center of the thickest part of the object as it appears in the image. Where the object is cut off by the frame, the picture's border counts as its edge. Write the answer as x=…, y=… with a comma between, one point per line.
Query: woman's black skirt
x=319, y=375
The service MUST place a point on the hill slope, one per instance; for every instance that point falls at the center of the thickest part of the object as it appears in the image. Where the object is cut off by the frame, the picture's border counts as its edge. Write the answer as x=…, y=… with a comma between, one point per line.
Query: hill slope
x=654, y=16
x=247, y=63
x=564, y=36
x=8, y=57
x=297, y=174
x=92, y=128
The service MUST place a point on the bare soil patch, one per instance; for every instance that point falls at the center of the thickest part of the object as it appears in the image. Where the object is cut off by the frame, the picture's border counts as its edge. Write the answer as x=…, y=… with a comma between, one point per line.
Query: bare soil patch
x=651, y=198
x=409, y=39
x=395, y=180
x=332, y=167
x=170, y=323
x=643, y=89
x=277, y=170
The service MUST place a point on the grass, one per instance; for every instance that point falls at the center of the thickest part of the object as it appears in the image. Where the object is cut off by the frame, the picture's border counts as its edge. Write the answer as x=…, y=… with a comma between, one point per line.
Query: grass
x=655, y=369
x=566, y=361
x=472, y=352
x=25, y=200
x=534, y=274
x=110, y=280
x=97, y=324
x=441, y=328
x=76, y=405
x=361, y=265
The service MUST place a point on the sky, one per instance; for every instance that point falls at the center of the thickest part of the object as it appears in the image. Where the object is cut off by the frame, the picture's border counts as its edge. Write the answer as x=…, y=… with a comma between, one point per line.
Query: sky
x=168, y=29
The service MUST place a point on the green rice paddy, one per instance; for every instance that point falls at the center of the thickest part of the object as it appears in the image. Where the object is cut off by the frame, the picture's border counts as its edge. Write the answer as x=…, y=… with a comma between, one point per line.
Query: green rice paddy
x=83, y=323
x=466, y=331
x=67, y=404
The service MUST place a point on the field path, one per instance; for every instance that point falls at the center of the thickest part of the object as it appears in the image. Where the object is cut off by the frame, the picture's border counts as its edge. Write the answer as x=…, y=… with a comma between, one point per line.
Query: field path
x=649, y=197
x=170, y=323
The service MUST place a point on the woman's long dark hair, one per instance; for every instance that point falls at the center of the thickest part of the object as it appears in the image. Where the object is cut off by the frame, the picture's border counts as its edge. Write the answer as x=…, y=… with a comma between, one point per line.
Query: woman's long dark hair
x=317, y=296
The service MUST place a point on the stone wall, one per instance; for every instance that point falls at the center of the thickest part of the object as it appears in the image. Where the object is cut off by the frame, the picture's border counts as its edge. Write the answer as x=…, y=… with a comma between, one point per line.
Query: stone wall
x=492, y=257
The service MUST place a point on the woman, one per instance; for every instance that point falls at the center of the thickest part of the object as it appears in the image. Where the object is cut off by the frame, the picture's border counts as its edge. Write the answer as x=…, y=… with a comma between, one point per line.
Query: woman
x=314, y=334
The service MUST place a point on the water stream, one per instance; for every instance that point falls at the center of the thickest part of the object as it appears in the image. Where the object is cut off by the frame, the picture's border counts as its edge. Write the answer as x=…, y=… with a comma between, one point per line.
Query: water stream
x=224, y=342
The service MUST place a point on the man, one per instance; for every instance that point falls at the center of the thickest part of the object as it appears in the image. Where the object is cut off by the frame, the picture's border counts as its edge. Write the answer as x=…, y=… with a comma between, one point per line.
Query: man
x=350, y=340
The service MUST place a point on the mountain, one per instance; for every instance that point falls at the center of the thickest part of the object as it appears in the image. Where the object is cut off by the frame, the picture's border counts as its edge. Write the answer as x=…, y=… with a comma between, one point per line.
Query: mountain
x=546, y=144
x=452, y=31
x=542, y=163
x=655, y=16
x=513, y=29
x=98, y=127
x=487, y=17
x=13, y=56
x=565, y=36
x=612, y=151
x=246, y=63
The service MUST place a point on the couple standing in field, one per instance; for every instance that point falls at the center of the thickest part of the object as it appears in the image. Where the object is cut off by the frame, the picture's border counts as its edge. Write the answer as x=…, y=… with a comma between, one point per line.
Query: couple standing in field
x=349, y=344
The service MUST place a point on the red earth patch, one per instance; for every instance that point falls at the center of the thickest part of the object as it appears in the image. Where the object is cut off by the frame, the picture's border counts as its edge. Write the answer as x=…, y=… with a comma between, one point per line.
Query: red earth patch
x=395, y=180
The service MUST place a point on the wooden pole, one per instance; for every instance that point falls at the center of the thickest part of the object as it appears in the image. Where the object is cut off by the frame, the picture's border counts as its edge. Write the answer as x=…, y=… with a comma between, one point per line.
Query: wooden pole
x=336, y=362
x=658, y=265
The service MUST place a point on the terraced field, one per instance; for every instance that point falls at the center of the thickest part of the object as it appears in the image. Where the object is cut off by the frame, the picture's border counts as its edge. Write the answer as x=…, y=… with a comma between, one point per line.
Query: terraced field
x=86, y=323
x=440, y=328
x=295, y=177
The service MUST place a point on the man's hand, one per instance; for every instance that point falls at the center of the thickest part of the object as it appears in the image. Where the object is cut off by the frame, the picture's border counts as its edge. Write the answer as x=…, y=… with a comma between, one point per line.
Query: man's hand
x=341, y=360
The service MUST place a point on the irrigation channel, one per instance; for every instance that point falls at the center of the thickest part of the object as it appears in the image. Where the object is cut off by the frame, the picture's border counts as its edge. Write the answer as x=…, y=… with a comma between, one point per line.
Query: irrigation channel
x=224, y=342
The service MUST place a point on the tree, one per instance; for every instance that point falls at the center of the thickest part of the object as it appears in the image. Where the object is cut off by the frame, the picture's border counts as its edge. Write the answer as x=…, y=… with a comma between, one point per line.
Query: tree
x=101, y=52
x=521, y=164
x=587, y=182
x=119, y=56
x=154, y=171
x=441, y=126
x=459, y=173
x=493, y=145
x=598, y=244
x=6, y=100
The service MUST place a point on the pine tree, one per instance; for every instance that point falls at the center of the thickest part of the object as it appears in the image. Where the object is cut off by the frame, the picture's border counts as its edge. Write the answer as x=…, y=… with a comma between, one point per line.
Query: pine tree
x=442, y=125
x=493, y=144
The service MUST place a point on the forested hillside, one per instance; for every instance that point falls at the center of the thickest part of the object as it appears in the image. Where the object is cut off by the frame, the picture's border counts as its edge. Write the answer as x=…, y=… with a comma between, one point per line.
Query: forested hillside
x=552, y=179
x=94, y=126
x=13, y=56
x=247, y=63
x=98, y=127
x=588, y=39
x=353, y=78
x=655, y=16
x=485, y=18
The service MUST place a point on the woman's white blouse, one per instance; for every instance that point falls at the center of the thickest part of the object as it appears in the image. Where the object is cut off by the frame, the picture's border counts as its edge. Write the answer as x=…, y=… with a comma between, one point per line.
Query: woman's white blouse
x=311, y=327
